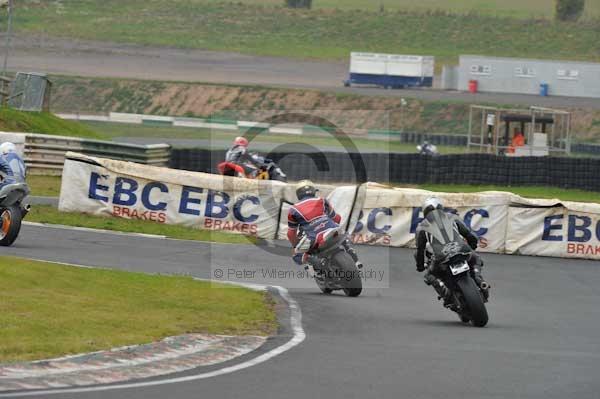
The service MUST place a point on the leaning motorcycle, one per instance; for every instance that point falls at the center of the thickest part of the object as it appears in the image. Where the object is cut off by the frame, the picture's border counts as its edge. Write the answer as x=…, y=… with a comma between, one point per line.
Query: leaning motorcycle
x=12, y=211
x=428, y=149
x=467, y=298
x=268, y=170
x=336, y=269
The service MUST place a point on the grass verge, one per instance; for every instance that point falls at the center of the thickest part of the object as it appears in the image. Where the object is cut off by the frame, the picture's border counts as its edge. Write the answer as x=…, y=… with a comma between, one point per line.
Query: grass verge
x=222, y=139
x=318, y=33
x=44, y=186
x=528, y=192
x=49, y=310
x=512, y=8
x=12, y=120
x=49, y=214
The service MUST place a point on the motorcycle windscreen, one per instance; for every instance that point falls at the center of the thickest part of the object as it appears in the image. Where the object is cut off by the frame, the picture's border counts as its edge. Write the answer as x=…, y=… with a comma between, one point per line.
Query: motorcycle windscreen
x=446, y=241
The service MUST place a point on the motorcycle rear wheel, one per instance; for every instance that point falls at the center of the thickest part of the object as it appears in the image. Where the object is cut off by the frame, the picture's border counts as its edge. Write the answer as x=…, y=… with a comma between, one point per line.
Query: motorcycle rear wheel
x=10, y=224
x=473, y=301
x=352, y=281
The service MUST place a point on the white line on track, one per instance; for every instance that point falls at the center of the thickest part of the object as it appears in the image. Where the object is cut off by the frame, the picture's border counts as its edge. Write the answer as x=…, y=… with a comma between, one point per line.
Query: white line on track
x=127, y=233
x=298, y=336
x=91, y=230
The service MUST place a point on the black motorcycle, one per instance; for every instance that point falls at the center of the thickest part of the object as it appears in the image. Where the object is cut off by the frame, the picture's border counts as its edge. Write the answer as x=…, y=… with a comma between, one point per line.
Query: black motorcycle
x=336, y=269
x=467, y=298
x=428, y=149
x=12, y=211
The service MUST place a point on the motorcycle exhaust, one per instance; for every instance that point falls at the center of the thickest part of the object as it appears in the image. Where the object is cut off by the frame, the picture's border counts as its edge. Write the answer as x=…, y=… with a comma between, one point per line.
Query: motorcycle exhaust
x=25, y=209
x=484, y=285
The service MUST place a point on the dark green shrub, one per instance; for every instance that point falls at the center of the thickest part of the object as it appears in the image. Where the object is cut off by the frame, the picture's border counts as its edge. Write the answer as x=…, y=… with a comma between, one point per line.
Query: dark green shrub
x=569, y=10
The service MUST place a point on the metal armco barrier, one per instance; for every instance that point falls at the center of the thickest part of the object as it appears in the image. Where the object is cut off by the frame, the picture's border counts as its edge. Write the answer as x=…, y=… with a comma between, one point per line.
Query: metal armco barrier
x=479, y=169
x=45, y=154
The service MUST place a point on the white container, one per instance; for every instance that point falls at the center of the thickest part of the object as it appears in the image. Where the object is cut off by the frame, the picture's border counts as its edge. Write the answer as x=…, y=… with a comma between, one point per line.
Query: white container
x=392, y=64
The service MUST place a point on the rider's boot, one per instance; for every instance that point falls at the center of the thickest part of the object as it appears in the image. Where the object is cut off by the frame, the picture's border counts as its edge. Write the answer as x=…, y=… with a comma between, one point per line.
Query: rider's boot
x=313, y=266
x=352, y=254
x=309, y=269
x=439, y=287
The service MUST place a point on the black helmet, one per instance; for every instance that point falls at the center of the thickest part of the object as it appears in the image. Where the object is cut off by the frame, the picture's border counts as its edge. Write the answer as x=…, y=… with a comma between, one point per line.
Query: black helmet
x=305, y=188
x=430, y=204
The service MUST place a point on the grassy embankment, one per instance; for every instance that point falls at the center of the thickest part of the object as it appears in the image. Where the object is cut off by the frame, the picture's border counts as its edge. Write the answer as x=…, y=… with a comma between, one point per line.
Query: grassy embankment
x=49, y=310
x=12, y=120
x=328, y=33
x=349, y=111
x=510, y=8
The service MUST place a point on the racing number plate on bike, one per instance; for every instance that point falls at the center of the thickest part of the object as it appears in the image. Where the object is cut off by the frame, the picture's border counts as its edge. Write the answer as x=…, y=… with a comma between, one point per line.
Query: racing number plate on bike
x=460, y=268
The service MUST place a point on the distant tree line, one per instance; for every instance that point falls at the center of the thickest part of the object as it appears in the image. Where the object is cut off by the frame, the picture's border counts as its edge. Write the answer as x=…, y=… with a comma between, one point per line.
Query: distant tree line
x=566, y=10
x=298, y=3
x=569, y=10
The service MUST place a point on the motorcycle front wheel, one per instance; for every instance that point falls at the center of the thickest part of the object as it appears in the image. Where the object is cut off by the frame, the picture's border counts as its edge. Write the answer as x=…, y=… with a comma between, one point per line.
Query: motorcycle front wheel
x=10, y=218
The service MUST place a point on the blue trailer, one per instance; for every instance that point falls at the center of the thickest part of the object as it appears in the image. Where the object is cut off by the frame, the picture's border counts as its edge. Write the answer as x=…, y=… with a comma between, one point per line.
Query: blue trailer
x=391, y=70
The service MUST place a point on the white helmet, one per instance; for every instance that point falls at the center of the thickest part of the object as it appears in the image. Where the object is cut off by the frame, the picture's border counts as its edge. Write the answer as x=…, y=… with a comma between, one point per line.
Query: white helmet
x=305, y=188
x=430, y=204
x=7, y=147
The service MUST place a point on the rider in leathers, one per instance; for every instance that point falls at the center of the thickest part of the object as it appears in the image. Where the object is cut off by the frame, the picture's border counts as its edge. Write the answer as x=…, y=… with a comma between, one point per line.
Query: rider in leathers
x=12, y=166
x=311, y=216
x=437, y=229
x=238, y=154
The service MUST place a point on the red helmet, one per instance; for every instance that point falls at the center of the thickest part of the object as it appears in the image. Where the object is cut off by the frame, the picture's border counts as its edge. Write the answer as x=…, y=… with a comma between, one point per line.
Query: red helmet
x=240, y=141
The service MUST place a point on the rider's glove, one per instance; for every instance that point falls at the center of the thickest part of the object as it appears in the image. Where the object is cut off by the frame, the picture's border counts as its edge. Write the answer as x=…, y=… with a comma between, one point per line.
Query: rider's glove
x=298, y=258
x=473, y=244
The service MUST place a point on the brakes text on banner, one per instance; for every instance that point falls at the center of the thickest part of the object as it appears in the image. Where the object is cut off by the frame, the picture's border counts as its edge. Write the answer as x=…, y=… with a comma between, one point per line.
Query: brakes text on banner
x=556, y=231
x=122, y=189
x=390, y=216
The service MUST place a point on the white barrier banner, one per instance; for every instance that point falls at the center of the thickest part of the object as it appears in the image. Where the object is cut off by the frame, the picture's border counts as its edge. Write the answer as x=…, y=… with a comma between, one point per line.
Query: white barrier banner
x=123, y=189
x=375, y=214
x=556, y=231
x=341, y=198
x=390, y=216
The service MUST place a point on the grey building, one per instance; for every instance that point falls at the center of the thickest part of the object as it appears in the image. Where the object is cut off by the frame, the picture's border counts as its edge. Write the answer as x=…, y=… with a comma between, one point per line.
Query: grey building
x=526, y=76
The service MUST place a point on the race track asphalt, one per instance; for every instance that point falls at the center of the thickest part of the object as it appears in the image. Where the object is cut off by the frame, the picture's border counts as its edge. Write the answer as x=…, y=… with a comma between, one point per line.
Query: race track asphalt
x=112, y=60
x=542, y=340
